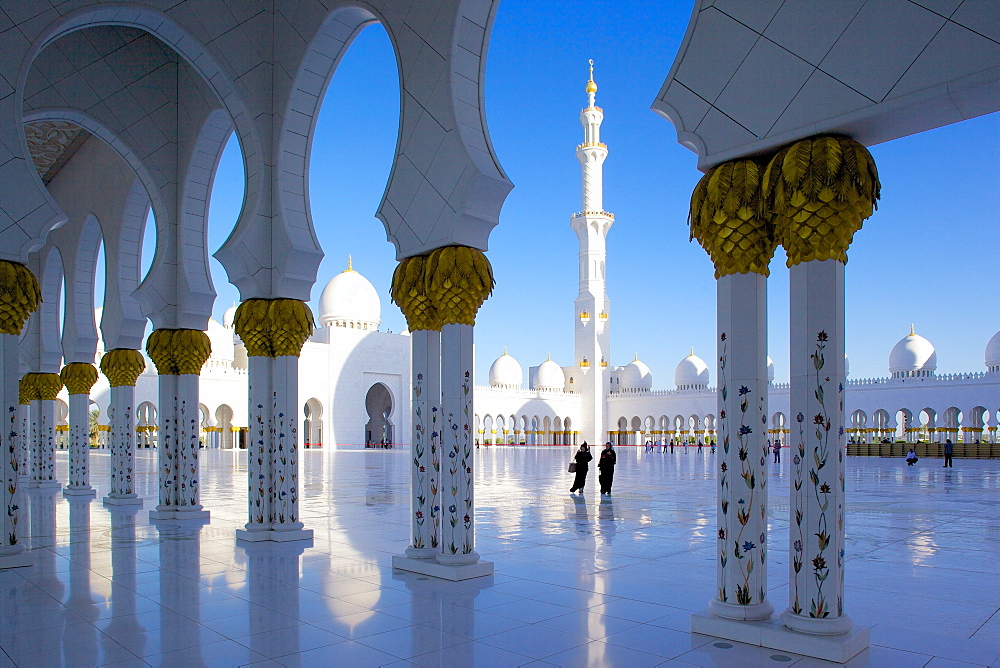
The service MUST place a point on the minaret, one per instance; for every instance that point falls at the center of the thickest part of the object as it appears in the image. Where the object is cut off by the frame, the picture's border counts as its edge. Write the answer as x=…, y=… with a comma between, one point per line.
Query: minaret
x=593, y=332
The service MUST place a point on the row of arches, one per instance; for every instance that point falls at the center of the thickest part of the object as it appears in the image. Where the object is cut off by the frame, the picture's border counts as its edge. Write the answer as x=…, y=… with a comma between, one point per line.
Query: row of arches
x=525, y=430
x=975, y=425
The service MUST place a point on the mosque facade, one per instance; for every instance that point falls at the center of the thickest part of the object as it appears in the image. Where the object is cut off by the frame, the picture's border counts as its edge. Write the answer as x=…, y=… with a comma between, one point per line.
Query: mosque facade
x=354, y=381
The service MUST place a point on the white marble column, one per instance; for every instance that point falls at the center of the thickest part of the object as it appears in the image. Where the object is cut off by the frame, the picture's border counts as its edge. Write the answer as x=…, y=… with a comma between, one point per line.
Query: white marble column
x=816, y=532
x=43, y=469
x=24, y=437
x=742, y=474
x=425, y=439
x=121, y=442
x=79, y=447
x=458, y=509
x=12, y=552
x=273, y=451
x=179, y=449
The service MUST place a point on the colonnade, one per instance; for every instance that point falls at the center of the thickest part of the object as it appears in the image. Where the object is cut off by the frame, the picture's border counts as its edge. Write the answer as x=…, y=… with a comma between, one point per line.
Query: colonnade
x=811, y=197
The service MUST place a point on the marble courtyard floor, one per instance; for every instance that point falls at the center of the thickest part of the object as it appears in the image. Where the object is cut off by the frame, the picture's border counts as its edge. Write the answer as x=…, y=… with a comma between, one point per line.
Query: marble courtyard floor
x=580, y=581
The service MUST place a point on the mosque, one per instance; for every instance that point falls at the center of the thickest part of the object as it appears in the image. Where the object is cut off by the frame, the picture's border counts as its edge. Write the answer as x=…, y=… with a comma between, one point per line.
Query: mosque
x=109, y=110
x=356, y=392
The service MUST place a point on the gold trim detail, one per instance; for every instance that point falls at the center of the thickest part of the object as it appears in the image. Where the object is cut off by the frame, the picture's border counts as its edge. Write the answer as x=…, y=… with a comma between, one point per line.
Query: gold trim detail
x=273, y=327
x=122, y=366
x=42, y=386
x=820, y=190
x=458, y=279
x=78, y=377
x=19, y=296
x=409, y=293
x=728, y=220
x=178, y=351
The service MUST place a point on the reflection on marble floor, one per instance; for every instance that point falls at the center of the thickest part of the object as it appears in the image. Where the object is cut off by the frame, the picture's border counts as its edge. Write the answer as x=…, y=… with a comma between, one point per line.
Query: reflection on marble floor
x=580, y=581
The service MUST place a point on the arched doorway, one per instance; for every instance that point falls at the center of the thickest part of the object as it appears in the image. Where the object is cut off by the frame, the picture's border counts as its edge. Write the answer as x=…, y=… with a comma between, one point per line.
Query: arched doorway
x=378, y=403
x=312, y=426
x=224, y=420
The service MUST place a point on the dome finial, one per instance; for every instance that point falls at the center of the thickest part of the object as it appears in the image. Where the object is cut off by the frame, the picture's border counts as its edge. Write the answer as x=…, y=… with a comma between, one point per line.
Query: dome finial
x=548, y=357
x=591, y=86
x=913, y=332
x=635, y=357
x=505, y=350
x=691, y=354
x=350, y=263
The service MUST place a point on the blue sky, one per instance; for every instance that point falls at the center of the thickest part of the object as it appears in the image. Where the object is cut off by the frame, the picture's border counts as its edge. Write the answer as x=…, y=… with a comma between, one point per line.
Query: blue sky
x=927, y=257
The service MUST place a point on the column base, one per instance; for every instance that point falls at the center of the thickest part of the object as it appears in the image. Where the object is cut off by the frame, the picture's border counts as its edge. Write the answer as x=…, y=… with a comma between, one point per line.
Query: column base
x=818, y=627
x=127, y=500
x=758, y=612
x=257, y=536
x=420, y=552
x=43, y=484
x=773, y=634
x=80, y=491
x=435, y=569
x=19, y=559
x=179, y=514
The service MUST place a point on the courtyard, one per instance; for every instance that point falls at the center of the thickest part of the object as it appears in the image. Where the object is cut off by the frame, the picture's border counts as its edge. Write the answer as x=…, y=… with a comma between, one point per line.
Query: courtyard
x=580, y=580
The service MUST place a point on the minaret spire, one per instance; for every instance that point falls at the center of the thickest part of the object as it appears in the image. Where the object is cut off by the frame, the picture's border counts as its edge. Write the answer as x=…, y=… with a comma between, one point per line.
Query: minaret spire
x=592, y=329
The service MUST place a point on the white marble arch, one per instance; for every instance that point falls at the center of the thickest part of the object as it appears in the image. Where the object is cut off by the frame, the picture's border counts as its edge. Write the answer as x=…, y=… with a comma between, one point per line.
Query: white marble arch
x=26, y=226
x=178, y=293
x=79, y=330
x=164, y=120
x=100, y=185
x=40, y=349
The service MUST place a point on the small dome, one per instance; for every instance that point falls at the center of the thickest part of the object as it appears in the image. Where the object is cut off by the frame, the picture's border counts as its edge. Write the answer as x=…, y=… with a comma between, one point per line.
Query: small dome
x=691, y=373
x=229, y=316
x=993, y=353
x=550, y=376
x=636, y=376
x=350, y=300
x=913, y=356
x=847, y=366
x=770, y=369
x=506, y=371
x=221, y=339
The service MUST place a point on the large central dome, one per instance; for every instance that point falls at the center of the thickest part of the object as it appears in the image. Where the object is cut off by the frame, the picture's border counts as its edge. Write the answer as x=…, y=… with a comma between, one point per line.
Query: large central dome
x=350, y=300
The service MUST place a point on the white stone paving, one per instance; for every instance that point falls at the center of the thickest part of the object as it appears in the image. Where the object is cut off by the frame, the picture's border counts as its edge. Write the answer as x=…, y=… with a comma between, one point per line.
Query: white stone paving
x=579, y=580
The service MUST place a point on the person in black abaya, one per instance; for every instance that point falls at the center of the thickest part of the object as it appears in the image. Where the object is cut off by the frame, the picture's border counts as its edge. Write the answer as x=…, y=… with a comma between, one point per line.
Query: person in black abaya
x=606, y=467
x=582, y=460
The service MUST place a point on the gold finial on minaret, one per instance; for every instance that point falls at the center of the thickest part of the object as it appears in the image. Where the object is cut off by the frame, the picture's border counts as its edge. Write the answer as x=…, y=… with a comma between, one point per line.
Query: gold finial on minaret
x=912, y=331
x=591, y=86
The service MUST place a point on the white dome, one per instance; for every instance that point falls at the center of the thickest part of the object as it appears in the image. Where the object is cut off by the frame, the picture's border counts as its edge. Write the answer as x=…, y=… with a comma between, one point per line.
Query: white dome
x=550, y=376
x=993, y=353
x=691, y=373
x=636, y=376
x=350, y=300
x=506, y=371
x=770, y=369
x=229, y=316
x=912, y=356
x=221, y=339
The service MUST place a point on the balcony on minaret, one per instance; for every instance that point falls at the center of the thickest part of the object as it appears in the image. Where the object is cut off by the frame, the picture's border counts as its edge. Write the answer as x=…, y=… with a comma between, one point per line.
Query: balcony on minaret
x=592, y=144
x=603, y=316
x=585, y=364
x=585, y=317
x=584, y=214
